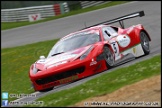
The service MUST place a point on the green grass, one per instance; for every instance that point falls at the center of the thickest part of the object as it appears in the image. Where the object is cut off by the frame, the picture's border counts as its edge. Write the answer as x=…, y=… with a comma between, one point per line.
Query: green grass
x=9, y=25
x=104, y=84
x=15, y=64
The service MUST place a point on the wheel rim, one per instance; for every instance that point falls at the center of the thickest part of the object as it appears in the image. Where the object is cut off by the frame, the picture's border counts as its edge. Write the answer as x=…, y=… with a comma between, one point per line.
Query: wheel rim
x=109, y=57
x=145, y=41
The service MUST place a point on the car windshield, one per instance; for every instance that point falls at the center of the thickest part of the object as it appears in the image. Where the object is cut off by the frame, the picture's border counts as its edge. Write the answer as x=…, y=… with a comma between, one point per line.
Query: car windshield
x=74, y=41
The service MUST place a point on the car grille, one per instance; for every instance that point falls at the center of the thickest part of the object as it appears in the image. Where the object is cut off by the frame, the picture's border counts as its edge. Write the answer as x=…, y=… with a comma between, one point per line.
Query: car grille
x=59, y=76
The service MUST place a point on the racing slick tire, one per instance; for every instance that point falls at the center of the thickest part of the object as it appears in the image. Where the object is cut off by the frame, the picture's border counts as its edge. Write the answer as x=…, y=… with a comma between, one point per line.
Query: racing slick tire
x=108, y=56
x=145, y=42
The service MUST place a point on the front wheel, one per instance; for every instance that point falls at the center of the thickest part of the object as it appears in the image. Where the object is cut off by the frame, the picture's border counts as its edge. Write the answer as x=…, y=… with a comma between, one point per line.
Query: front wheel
x=108, y=56
x=145, y=43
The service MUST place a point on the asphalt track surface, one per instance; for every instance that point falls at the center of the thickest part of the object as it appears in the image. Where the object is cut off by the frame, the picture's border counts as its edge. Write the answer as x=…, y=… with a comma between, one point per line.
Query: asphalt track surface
x=63, y=26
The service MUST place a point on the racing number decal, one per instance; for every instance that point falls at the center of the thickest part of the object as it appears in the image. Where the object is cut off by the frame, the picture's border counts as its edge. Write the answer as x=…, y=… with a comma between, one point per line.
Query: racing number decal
x=115, y=48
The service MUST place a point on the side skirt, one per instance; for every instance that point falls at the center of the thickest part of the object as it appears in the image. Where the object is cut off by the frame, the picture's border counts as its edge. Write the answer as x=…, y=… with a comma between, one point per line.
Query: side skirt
x=130, y=54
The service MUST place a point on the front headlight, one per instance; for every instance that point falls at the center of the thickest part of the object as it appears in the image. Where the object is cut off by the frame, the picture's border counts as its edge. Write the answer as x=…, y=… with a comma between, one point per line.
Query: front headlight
x=35, y=70
x=86, y=53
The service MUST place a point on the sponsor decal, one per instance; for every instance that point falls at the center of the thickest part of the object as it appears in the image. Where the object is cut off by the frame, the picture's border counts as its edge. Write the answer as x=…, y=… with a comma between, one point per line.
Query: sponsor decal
x=94, y=31
x=81, y=33
x=65, y=80
x=123, y=40
x=93, y=63
x=134, y=50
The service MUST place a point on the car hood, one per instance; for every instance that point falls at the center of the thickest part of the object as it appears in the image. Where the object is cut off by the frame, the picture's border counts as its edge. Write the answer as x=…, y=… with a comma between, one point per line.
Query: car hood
x=61, y=58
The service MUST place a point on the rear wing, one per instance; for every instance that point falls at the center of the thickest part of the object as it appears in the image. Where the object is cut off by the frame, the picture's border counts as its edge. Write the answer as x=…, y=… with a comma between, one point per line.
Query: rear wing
x=120, y=19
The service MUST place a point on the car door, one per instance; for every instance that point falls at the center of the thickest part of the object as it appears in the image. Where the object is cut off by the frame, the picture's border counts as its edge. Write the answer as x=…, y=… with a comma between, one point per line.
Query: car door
x=110, y=35
x=119, y=43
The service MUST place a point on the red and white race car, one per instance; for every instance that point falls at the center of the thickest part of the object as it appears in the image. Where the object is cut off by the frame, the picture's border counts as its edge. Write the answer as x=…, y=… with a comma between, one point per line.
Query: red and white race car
x=89, y=51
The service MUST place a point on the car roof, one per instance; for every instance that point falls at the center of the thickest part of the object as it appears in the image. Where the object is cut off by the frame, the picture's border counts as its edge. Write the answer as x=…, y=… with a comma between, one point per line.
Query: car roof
x=87, y=29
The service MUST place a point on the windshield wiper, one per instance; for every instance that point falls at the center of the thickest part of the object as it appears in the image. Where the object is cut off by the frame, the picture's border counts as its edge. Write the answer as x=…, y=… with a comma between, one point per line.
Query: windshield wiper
x=57, y=53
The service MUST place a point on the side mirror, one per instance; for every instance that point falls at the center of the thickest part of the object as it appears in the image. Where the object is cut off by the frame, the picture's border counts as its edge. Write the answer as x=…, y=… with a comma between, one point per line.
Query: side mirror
x=42, y=57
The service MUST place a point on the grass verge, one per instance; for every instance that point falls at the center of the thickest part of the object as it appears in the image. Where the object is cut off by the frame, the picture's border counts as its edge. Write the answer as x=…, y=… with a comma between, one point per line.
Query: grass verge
x=9, y=25
x=104, y=84
x=15, y=64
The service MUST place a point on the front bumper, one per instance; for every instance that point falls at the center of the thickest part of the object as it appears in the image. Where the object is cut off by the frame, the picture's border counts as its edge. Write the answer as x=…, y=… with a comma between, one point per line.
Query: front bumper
x=66, y=73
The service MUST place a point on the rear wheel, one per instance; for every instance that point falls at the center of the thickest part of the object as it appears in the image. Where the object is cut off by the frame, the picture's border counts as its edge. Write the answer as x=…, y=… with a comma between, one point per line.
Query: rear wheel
x=108, y=56
x=145, y=43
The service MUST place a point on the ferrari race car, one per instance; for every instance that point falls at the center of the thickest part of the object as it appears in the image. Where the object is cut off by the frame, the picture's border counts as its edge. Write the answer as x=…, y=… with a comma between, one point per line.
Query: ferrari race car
x=89, y=51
